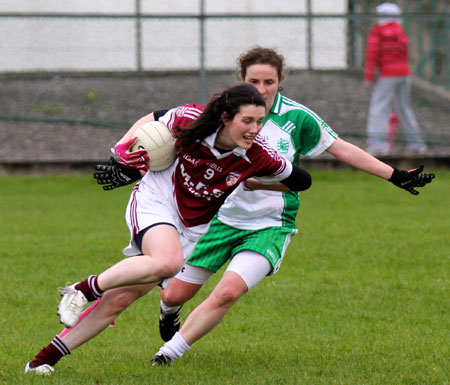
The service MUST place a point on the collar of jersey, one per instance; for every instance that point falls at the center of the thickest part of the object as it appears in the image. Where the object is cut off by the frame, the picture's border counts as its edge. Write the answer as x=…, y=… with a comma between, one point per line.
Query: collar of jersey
x=276, y=108
x=238, y=151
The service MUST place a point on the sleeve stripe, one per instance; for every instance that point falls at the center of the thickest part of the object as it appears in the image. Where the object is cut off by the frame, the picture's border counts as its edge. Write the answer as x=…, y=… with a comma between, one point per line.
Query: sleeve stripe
x=170, y=117
x=260, y=141
x=192, y=112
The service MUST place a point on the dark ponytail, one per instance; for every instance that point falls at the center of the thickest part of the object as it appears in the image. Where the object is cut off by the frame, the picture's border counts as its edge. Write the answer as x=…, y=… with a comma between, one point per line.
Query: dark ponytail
x=228, y=102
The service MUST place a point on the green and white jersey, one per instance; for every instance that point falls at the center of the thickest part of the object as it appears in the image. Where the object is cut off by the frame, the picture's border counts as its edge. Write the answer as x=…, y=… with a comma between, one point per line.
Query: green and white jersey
x=293, y=130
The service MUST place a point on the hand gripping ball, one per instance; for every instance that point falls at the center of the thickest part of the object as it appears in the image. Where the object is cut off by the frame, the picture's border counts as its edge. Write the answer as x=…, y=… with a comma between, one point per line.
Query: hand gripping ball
x=157, y=139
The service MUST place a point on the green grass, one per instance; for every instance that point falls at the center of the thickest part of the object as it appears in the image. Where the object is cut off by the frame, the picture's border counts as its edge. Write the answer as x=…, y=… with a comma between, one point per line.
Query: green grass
x=362, y=296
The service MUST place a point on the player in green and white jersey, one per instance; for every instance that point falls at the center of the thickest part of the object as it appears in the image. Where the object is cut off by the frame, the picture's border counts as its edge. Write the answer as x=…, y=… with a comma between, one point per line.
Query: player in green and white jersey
x=268, y=217
x=293, y=130
x=253, y=228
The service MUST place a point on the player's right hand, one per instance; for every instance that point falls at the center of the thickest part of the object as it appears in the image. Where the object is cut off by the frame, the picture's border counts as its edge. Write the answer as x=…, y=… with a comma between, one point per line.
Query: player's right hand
x=138, y=159
x=408, y=180
x=115, y=175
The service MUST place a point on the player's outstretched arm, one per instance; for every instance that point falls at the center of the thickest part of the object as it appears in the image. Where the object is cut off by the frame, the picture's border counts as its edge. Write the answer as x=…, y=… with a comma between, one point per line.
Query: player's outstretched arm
x=360, y=159
x=115, y=175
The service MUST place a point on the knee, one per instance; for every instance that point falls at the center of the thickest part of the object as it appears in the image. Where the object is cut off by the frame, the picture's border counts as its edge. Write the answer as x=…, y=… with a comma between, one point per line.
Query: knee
x=226, y=296
x=177, y=293
x=118, y=300
x=173, y=298
x=171, y=266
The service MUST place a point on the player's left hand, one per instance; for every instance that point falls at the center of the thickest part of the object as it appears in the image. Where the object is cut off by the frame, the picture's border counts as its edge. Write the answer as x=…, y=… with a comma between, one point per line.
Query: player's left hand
x=408, y=180
x=115, y=175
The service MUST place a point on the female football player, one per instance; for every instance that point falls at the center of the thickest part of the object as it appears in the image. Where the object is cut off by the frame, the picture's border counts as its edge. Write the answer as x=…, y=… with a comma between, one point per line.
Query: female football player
x=255, y=237
x=169, y=211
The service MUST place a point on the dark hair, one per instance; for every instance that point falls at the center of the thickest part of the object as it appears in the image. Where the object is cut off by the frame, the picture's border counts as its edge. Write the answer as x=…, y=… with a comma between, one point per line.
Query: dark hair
x=228, y=102
x=260, y=55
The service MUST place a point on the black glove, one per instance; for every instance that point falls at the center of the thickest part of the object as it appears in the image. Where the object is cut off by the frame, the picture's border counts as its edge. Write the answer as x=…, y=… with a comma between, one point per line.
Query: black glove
x=407, y=180
x=116, y=175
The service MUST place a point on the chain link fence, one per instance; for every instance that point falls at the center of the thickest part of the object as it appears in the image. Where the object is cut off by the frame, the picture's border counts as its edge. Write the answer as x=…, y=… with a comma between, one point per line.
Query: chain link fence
x=74, y=64
x=207, y=36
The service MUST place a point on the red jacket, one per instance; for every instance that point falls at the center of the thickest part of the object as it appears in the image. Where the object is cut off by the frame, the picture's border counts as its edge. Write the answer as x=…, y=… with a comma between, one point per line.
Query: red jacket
x=387, y=50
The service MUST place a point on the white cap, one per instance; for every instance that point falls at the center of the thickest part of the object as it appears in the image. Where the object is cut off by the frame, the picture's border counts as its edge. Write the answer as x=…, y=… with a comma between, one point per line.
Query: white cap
x=388, y=9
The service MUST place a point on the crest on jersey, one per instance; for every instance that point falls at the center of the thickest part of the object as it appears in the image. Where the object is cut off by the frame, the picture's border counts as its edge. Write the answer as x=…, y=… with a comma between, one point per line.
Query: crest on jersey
x=232, y=178
x=283, y=146
x=180, y=111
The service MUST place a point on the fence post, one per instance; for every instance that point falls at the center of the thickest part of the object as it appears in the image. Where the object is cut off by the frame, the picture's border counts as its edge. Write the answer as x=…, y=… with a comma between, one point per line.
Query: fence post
x=138, y=36
x=353, y=35
x=202, y=53
x=309, y=33
x=446, y=62
x=435, y=37
x=406, y=20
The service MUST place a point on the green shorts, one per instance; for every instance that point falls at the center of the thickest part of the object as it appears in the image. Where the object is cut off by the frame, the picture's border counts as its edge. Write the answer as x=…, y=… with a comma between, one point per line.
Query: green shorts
x=222, y=242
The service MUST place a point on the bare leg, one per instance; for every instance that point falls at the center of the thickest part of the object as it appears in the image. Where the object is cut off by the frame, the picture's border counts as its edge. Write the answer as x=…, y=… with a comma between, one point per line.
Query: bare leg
x=107, y=309
x=178, y=292
x=175, y=294
x=246, y=269
x=163, y=258
x=112, y=303
x=210, y=312
x=203, y=318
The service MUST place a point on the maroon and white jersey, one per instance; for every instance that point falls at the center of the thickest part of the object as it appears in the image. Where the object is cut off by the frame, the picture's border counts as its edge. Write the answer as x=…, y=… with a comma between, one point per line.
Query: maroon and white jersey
x=204, y=177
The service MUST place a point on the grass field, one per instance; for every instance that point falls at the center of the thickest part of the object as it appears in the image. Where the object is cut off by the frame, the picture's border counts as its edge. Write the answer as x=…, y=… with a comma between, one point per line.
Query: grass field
x=362, y=296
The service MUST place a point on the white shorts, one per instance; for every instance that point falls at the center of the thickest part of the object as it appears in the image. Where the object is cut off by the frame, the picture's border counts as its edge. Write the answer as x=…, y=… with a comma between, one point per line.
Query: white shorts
x=152, y=202
x=251, y=266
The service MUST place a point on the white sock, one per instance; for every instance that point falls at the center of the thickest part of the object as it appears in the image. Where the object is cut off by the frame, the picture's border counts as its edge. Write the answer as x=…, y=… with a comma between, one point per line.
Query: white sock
x=168, y=309
x=175, y=348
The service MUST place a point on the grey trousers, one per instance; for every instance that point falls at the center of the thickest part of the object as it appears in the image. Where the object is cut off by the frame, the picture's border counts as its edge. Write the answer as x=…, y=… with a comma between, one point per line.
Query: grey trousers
x=392, y=94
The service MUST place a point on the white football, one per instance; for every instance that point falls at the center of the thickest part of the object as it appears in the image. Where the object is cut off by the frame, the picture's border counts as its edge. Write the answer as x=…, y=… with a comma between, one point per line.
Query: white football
x=157, y=139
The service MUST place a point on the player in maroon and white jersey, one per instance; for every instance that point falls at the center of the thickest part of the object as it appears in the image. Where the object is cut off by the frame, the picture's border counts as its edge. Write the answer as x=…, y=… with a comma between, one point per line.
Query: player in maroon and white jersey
x=216, y=169
x=170, y=210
